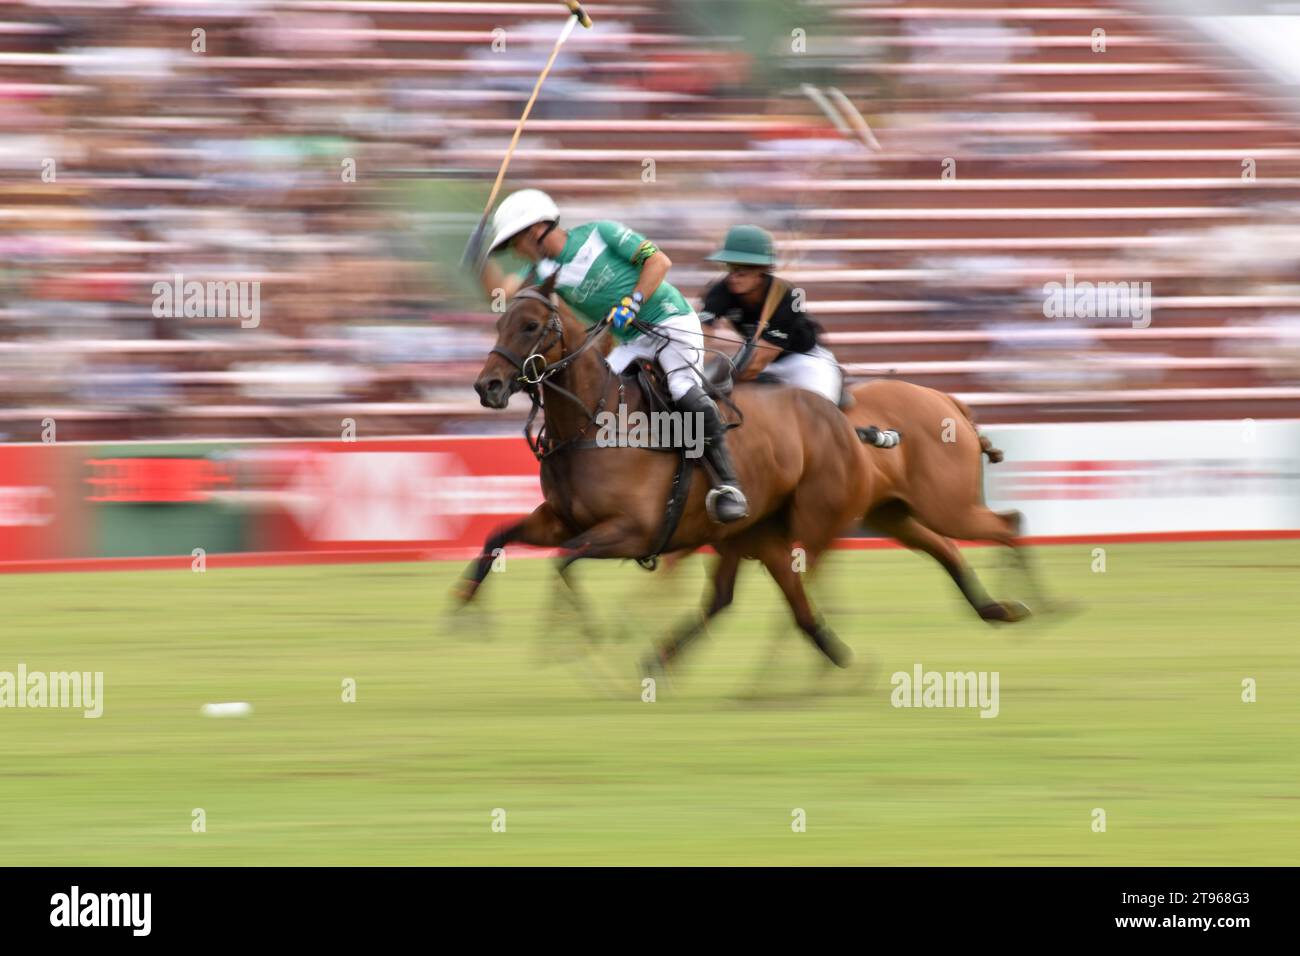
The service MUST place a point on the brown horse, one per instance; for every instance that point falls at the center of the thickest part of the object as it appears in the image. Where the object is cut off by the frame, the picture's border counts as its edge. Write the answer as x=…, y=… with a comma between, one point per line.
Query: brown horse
x=929, y=489
x=808, y=476
x=803, y=468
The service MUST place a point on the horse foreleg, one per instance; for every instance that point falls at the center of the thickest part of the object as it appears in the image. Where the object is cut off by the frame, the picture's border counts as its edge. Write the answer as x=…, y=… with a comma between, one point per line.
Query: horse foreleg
x=618, y=537
x=1028, y=567
x=724, y=590
x=541, y=529
x=775, y=555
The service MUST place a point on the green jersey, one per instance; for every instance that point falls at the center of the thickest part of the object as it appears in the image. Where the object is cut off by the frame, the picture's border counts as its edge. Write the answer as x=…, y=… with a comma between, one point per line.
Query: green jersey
x=599, y=264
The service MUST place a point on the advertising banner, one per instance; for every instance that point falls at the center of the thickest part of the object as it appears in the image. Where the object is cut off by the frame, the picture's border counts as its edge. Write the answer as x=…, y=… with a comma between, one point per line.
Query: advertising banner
x=392, y=498
x=1148, y=477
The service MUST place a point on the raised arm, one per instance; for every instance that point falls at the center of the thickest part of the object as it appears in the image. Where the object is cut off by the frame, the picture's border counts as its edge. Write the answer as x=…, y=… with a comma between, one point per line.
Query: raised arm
x=493, y=277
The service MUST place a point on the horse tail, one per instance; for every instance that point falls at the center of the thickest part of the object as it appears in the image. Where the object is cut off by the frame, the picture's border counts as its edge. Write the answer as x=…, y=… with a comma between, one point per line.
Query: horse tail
x=986, y=445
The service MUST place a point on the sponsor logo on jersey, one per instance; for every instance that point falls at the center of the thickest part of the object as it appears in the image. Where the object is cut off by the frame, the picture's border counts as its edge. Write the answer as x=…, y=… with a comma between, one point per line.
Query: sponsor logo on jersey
x=574, y=272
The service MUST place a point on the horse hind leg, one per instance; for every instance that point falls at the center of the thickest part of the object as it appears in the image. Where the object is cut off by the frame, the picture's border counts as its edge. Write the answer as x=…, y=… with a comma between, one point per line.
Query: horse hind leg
x=979, y=523
x=896, y=521
x=1005, y=528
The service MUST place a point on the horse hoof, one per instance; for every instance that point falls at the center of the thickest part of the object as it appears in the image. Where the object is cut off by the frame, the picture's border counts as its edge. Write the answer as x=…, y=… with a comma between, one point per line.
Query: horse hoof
x=459, y=621
x=652, y=665
x=836, y=651
x=1015, y=611
x=1004, y=612
x=464, y=592
x=654, y=668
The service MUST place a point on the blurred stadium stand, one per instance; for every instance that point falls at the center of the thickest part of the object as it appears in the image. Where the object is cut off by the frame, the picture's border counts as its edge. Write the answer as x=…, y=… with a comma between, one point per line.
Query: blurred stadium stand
x=1123, y=165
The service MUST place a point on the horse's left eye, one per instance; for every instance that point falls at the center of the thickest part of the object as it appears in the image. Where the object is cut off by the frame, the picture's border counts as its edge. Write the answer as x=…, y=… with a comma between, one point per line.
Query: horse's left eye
x=531, y=327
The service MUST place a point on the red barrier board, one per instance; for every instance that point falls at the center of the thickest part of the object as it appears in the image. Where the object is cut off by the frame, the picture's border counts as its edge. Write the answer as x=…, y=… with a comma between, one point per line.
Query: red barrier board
x=434, y=493
x=40, y=510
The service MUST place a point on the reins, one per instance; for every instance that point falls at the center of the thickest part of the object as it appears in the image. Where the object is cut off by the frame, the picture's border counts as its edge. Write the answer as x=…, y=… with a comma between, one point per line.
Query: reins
x=536, y=375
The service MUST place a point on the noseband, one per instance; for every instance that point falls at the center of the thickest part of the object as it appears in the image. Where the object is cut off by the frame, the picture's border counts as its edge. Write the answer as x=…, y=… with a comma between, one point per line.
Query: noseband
x=533, y=368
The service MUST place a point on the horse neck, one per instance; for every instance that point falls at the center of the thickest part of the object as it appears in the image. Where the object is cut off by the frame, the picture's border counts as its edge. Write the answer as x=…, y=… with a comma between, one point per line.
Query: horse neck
x=588, y=378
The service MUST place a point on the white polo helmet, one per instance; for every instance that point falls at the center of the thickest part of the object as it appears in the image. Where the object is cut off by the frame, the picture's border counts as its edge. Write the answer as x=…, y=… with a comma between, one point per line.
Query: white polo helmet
x=517, y=212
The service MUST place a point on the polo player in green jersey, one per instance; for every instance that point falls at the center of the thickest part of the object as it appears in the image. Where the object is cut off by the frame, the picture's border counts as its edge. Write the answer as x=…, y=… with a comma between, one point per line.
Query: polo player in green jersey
x=605, y=272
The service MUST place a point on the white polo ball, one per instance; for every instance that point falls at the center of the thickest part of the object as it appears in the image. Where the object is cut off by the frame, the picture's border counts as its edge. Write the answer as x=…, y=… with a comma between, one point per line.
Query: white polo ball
x=236, y=708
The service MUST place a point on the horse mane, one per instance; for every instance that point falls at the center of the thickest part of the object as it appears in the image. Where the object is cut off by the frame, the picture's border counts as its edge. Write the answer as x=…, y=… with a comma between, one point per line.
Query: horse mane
x=570, y=318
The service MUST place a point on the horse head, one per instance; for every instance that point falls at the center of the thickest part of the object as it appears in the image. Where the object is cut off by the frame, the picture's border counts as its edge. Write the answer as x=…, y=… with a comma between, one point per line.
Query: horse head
x=530, y=339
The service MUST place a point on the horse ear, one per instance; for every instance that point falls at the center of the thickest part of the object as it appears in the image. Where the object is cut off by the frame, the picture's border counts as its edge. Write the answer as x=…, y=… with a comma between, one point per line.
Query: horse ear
x=547, y=288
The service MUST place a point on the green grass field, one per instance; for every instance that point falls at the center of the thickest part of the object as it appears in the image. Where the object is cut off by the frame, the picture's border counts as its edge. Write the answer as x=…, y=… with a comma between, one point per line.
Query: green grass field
x=1132, y=705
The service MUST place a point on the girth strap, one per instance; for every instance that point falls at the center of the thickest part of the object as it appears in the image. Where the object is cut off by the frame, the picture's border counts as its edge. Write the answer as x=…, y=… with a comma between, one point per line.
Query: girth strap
x=681, y=489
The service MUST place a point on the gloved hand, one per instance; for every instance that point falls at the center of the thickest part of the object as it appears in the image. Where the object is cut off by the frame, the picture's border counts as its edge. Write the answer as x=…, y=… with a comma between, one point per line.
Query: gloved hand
x=625, y=313
x=472, y=258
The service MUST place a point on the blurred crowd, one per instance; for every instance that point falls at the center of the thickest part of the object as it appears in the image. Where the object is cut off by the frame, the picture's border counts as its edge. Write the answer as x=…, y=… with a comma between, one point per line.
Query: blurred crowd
x=282, y=145
x=337, y=155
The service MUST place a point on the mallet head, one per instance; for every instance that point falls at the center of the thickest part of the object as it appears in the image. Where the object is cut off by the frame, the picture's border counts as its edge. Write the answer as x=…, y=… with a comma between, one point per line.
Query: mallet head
x=576, y=9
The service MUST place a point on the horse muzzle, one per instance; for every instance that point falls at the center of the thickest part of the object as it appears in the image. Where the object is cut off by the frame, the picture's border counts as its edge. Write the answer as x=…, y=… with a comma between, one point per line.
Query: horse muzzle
x=493, y=391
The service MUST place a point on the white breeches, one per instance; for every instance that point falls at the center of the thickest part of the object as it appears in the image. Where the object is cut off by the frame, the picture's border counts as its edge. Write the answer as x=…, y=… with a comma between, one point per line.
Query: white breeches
x=815, y=370
x=682, y=355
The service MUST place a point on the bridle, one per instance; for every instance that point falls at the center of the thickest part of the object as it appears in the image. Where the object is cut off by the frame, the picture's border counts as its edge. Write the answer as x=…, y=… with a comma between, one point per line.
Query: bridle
x=553, y=327
x=535, y=373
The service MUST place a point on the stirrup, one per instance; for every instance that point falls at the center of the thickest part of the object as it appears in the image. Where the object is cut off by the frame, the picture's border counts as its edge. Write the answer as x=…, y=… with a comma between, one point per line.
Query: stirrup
x=731, y=491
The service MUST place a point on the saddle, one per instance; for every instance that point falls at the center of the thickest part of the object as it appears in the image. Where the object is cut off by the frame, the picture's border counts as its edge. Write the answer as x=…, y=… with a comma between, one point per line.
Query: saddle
x=649, y=379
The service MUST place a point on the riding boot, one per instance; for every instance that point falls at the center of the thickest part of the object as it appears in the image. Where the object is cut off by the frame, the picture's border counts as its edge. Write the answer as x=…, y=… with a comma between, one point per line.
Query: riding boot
x=725, y=502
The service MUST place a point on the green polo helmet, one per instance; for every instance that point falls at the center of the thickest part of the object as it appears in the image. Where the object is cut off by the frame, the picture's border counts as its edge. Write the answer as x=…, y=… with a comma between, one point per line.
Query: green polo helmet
x=746, y=246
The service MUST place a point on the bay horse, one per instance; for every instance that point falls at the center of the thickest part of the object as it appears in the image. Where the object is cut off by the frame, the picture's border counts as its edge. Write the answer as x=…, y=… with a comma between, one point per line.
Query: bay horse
x=808, y=475
x=798, y=457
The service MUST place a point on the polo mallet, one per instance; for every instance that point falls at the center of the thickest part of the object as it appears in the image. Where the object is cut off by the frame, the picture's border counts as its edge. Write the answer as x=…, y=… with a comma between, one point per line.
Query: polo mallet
x=844, y=116
x=775, y=293
x=476, y=239
x=854, y=116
